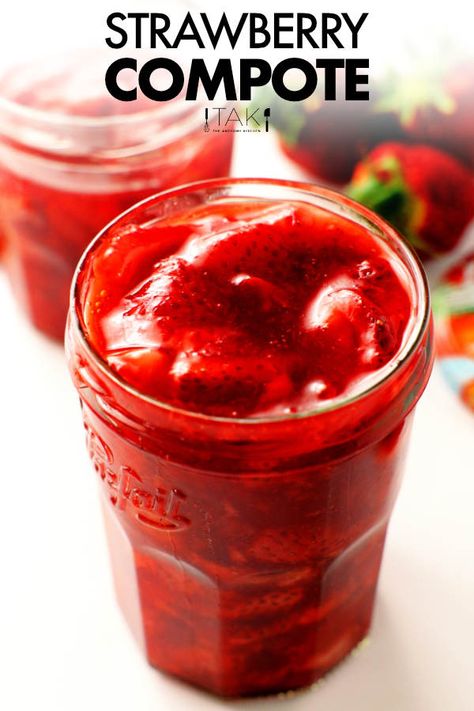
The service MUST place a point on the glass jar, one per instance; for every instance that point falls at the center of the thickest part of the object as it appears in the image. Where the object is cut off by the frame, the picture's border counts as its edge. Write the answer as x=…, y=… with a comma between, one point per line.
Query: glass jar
x=72, y=159
x=246, y=552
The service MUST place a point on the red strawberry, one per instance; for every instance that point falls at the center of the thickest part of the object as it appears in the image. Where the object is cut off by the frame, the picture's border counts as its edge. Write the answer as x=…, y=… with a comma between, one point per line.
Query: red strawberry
x=203, y=378
x=144, y=368
x=327, y=138
x=129, y=250
x=436, y=107
x=347, y=333
x=427, y=195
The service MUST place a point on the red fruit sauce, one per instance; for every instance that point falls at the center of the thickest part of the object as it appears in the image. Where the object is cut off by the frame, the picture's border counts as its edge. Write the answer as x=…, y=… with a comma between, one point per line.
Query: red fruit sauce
x=246, y=308
x=248, y=355
x=71, y=159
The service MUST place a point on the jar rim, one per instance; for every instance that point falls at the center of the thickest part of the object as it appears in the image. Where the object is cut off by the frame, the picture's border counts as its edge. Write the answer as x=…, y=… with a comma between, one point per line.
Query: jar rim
x=57, y=133
x=55, y=118
x=304, y=189
x=178, y=123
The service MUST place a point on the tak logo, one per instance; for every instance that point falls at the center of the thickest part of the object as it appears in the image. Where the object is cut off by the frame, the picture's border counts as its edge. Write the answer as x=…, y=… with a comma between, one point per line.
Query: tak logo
x=221, y=118
x=159, y=508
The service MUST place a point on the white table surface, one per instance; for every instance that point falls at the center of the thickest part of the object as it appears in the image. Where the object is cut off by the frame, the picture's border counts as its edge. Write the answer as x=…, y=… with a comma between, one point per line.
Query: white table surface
x=63, y=643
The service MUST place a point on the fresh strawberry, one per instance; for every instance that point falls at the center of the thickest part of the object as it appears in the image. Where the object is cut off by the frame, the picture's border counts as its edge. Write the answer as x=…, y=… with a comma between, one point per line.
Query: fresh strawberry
x=327, y=138
x=427, y=195
x=436, y=107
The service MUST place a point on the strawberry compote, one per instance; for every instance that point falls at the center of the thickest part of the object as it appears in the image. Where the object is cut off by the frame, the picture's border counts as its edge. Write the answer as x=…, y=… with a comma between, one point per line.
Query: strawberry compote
x=248, y=355
x=72, y=158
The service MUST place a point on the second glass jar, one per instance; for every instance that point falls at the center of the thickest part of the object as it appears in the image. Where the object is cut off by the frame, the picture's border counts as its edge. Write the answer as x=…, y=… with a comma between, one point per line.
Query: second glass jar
x=67, y=170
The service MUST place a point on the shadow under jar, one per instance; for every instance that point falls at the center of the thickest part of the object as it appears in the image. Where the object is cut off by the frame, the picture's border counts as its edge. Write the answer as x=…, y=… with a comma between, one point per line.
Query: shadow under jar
x=246, y=550
x=72, y=158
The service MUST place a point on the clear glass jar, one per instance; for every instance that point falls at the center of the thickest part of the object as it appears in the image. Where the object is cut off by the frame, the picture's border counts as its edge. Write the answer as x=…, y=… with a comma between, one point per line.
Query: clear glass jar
x=72, y=159
x=246, y=552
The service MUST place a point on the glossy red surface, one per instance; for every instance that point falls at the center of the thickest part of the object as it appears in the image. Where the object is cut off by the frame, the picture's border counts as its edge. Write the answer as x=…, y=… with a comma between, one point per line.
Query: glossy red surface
x=244, y=308
x=246, y=552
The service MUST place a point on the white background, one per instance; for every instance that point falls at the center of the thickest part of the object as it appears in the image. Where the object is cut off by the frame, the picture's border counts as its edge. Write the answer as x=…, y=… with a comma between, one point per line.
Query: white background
x=63, y=643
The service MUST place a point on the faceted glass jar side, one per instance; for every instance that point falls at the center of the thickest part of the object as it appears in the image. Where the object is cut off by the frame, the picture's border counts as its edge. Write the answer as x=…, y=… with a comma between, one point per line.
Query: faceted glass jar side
x=246, y=553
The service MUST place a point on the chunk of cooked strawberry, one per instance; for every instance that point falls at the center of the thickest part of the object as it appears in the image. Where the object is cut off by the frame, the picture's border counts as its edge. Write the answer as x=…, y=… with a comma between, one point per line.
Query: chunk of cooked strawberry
x=146, y=369
x=348, y=334
x=221, y=383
